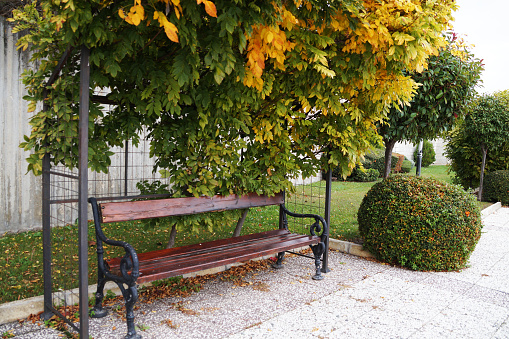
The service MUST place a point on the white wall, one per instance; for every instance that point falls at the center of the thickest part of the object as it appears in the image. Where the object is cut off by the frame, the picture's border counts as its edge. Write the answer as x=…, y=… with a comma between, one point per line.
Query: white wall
x=20, y=203
x=407, y=149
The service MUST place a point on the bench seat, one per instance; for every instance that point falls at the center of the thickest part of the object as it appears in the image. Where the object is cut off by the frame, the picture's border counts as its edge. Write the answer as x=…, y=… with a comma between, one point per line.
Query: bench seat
x=172, y=262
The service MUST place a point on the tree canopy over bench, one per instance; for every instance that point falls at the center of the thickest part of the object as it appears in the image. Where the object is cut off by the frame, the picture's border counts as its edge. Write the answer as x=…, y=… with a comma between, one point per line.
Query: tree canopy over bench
x=236, y=97
x=135, y=267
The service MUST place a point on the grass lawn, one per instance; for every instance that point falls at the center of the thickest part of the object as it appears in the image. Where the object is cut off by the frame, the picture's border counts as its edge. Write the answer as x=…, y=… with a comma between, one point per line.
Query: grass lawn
x=21, y=254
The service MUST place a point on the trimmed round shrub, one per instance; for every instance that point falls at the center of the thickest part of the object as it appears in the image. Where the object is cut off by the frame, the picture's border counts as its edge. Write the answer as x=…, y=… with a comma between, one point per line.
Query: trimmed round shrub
x=496, y=187
x=419, y=223
x=428, y=153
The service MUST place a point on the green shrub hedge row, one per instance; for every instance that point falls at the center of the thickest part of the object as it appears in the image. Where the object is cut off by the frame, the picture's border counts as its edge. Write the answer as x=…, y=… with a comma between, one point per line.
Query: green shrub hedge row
x=496, y=187
x=364, y=174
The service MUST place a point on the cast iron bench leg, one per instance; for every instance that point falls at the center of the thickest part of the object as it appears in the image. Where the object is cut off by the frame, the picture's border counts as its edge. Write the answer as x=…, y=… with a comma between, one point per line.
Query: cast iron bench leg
x=280, y=257
x=130, y=296
x=99, y=311
x=318, y=250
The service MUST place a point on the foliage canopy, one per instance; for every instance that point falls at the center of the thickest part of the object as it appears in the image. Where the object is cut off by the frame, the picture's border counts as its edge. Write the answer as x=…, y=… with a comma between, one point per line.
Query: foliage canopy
x=250, y=94
x=485, y=130
x=444, y=90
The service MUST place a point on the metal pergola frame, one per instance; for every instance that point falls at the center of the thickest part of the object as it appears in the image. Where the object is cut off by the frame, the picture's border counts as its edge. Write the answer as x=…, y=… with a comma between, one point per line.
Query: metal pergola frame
x=83, y=183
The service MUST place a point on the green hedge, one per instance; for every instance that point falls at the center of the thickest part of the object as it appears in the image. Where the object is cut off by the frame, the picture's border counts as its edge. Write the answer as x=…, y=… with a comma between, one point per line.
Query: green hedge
x=419, y=223
x=496, y=187
x=407, y=166
x=364, y=174
x=376, y=159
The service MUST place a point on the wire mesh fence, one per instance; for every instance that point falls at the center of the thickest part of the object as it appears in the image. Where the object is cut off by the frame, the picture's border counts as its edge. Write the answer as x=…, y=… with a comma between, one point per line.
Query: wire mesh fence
x=131, y=165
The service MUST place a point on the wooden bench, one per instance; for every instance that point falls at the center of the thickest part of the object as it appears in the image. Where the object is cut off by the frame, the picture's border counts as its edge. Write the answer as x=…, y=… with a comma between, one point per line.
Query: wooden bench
x=133, y=268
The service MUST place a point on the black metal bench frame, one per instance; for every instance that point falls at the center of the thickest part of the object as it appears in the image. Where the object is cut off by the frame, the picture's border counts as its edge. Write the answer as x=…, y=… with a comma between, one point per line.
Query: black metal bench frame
x=135, y=268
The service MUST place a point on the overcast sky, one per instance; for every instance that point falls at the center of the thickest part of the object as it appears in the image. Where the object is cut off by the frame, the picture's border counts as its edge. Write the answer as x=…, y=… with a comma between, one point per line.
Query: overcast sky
x=485, y=23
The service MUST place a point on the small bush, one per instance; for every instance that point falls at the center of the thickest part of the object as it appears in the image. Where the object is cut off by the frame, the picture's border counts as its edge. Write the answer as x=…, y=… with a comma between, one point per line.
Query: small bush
x=407, y=166
x=376, y=159
x=419, y=223
x=496, y=187
x=363, y=174
x=428, y=153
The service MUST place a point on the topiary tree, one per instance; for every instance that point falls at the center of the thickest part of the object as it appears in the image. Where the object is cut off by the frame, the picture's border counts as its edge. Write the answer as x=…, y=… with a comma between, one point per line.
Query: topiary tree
x=487, y=124
x=465, y=158
x=445, y=88
x=496, y=187
x=419, y=223
x=428, y=153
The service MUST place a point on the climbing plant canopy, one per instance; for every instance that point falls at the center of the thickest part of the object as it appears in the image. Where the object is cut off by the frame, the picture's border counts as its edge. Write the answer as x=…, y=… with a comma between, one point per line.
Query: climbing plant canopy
x=236, y=96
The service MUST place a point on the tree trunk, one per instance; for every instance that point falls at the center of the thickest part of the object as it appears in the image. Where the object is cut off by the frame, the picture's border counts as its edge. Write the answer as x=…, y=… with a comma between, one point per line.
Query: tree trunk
x=238, y=228
x=484, y=151
x=173, y=235
x=389, y=146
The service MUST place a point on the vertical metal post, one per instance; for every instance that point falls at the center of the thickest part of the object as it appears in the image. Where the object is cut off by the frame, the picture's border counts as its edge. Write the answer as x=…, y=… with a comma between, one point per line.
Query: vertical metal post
x=126, y=166
x=282, y=221
x=46, y=236
x=328, y=198
x=83, y=190
x=419, y=159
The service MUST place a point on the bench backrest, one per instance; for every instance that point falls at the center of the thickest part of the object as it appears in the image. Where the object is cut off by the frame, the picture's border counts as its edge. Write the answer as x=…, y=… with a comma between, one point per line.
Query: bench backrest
x=145, y=209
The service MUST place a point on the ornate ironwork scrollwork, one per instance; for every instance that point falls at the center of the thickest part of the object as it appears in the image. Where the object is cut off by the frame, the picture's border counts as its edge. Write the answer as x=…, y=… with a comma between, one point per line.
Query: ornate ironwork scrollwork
x=315, y=227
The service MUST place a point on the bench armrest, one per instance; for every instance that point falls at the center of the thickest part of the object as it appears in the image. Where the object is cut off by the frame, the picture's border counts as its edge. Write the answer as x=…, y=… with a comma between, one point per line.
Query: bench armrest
x=129, y=262
x=315, y=228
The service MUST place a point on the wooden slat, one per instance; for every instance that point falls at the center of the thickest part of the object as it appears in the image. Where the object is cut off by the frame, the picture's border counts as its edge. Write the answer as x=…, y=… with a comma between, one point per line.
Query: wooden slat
x=206, y=246
x=198, y=264
x=223, y=251
x=134, y=210
x=179, y=261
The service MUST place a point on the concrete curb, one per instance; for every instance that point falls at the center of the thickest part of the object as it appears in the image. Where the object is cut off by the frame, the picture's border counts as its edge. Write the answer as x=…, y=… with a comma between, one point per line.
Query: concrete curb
x=349, y=248
x=21, y=309
x=491, y=209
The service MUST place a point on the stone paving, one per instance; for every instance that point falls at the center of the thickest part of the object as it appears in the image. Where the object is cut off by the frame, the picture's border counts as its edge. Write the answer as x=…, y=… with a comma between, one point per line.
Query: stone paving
x=357, y=299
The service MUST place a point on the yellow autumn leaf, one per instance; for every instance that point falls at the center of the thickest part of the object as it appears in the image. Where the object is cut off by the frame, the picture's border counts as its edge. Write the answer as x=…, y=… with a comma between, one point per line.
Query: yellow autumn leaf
x=269, y=37
x=210, y=8
x=137, y=14
x=169, y=28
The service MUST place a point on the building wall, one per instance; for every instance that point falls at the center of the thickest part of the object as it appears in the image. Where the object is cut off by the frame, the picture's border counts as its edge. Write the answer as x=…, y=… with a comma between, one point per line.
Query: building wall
x=20, y=203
